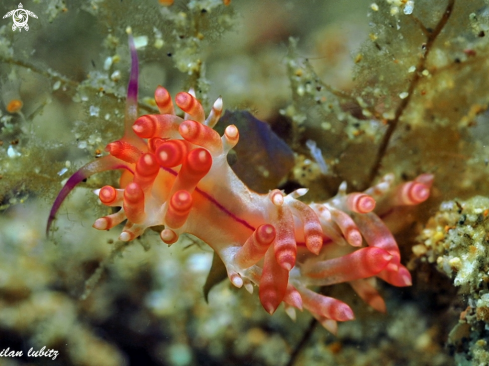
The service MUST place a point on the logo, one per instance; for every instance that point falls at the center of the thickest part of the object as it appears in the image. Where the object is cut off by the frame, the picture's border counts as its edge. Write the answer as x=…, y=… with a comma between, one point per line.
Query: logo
x=20, y=17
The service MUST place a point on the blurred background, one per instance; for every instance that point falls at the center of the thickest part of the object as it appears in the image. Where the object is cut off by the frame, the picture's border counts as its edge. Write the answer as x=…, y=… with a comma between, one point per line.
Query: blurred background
x=98, y=301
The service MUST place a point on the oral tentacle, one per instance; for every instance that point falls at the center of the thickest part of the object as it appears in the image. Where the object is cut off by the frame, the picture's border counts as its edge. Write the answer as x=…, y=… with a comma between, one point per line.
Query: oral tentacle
x=94, y=167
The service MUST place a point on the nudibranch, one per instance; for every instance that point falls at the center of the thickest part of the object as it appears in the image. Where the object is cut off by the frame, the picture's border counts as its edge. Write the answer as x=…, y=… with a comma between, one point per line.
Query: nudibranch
x=175, y=175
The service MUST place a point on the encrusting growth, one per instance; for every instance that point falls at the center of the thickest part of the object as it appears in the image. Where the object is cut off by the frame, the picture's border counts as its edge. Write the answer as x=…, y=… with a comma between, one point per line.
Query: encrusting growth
x=175, y=173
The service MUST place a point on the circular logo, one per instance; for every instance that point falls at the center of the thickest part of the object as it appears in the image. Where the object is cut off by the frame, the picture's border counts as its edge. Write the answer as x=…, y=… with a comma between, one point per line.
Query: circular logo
x=20, y=17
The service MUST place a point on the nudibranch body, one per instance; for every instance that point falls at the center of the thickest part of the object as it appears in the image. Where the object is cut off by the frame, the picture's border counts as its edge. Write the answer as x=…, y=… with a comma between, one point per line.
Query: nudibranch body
x=176, y=175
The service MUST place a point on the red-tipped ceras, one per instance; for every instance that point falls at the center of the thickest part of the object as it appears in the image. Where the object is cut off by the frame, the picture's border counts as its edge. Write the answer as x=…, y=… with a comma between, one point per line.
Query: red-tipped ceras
x=175, y=173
